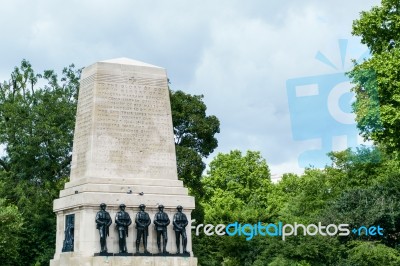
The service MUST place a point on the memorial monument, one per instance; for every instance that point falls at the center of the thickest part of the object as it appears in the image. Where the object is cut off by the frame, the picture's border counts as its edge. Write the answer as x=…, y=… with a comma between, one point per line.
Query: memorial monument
x=123, y=154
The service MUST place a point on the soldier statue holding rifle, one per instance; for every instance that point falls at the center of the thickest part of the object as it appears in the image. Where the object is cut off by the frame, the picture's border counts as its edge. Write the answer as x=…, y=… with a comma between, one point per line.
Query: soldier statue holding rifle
x=103, y=222
x=122, y=220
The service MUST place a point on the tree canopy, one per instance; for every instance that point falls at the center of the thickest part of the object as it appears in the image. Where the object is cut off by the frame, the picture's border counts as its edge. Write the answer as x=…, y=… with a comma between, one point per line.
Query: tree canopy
x=359, y=188
x=195, y=139
x=37, y=117
x=11, y=223
x=236, y=187
x=377, y=79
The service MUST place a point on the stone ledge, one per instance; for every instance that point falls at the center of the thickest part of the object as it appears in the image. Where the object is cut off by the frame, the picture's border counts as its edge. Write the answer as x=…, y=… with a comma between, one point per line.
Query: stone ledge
x=125, y=189
x=93, y=199
x=69, y=259
x=125, y=181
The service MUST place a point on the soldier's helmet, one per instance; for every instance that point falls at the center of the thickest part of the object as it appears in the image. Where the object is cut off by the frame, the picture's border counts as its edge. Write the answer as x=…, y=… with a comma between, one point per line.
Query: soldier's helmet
x=179, y=207
x=142, y=206
x=103, y=205
x=160, y=206
x=122, y=205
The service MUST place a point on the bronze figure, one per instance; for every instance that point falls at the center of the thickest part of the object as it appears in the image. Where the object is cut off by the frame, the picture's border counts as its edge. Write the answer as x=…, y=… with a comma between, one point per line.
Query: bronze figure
x=122, y=221
x=142, y=221
x=180, y=222
x=103, y=222
x=161, y=221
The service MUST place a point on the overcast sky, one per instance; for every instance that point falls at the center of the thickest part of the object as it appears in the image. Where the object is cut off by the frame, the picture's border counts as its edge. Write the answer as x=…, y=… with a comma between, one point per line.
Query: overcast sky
x=238, y=54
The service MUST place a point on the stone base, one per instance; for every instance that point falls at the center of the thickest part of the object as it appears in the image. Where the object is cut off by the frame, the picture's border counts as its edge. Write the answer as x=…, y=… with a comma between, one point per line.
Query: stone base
x=71, y=259
x=167, y=254
x=142, y=254
x=184, y=254
x=106, y=254
x=87, y=240
x=123, y=254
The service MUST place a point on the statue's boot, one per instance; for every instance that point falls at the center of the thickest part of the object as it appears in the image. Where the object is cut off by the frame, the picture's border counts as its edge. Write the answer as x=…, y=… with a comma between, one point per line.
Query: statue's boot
x=184, y=244
x=178, y=248
x=102, y=245
x=145, y=246
x=137, y=247
x=164, y=246
x=121, y=246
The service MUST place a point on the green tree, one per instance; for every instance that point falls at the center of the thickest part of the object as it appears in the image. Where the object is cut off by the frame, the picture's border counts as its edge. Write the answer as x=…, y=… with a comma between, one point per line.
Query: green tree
x=282, y=261
x=377, y=80
x=36, y=129
x=357, y=168
x=281, y=193
x=194, y=137
x=370, y=253
x=236, y=188
x=11, y=223
x=379, y=28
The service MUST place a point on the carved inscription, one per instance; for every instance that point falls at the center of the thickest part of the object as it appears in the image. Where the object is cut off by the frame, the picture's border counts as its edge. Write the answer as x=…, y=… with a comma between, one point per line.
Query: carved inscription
x=83, y=126
x=124, y=127
x=133, y=129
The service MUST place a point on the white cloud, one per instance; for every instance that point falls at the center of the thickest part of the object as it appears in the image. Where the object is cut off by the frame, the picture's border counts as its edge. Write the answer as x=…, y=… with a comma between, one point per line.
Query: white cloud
x=238, y=54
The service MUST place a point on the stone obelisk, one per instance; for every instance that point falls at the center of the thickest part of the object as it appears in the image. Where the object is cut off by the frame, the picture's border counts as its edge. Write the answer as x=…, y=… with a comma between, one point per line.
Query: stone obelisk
x=123, y=153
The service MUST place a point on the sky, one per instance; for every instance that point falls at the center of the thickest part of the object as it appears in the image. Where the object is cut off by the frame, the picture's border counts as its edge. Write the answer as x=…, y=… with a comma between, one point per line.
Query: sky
x=241, y=55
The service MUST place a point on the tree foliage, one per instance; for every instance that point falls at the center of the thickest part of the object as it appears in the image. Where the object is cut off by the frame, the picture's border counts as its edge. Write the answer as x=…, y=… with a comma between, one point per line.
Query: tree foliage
x=194, y=133
x=236, y=187
x=379, y=28
x=361, y=187
x=377, y=80
x=37, y=117
x=11, y=223
x=370, y=253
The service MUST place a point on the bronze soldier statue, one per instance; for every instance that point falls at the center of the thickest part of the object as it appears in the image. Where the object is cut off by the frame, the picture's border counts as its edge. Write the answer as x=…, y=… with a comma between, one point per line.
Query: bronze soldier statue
x=122, y=220
x=142, y=221
x=180, y=222
x=103, y=221
x=68, y=245
x=161, y=221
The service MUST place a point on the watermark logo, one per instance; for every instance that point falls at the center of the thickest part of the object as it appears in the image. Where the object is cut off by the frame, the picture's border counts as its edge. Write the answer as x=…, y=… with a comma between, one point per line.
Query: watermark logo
x=320, y=110
x=284, y=230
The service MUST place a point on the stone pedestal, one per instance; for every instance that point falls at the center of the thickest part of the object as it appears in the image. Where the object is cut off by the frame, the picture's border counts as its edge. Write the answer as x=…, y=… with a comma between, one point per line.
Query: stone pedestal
x=123, y=153
x=69, y=259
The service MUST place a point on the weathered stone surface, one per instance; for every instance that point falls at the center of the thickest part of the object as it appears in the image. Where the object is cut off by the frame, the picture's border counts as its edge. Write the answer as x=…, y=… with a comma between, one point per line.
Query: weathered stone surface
x=124, y=123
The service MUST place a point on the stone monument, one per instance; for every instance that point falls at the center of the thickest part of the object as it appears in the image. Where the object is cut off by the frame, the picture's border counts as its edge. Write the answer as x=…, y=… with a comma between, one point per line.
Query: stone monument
x=123, y=153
